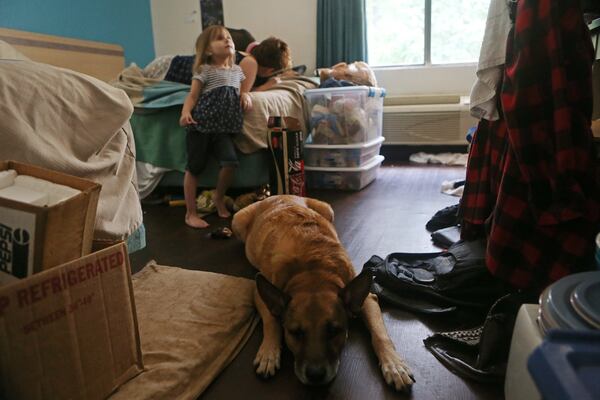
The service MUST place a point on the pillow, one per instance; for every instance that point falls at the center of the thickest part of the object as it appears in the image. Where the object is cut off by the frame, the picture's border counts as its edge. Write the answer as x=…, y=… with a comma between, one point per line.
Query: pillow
x=7, y=52
x=157, y=69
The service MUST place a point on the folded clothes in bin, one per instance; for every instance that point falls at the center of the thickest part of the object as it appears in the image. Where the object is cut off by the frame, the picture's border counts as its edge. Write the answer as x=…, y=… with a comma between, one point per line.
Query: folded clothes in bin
x=344, y=115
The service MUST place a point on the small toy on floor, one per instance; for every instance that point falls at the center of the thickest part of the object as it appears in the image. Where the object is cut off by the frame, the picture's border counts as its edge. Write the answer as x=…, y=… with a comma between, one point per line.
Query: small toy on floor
x=246, y=199
x=205, y=203
x=221, y=233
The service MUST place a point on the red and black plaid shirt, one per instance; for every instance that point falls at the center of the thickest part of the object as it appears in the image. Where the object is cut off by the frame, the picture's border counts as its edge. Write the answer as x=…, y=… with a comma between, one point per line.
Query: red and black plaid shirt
x=533, y=183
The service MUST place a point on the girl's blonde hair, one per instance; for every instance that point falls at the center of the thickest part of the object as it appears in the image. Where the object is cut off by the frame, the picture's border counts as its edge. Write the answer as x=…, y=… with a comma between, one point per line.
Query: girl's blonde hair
x=203, y=55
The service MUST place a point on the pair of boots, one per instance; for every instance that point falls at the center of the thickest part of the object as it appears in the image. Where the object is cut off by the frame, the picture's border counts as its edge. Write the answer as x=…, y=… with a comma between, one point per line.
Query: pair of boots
x=480, y=353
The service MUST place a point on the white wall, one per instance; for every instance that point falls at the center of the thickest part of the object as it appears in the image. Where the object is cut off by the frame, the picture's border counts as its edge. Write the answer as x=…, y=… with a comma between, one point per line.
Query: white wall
x=295, y=21
x=176, y=24
x=427, y=80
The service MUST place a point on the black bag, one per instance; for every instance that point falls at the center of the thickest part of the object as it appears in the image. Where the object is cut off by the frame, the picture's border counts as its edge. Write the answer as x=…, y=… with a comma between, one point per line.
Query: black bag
x=434, y=283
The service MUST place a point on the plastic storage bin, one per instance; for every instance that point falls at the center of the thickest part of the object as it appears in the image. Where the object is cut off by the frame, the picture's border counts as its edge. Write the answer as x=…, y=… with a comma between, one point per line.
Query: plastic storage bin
x=343, y=155
x=567, y=365
x=343, y=178
x=344, y=115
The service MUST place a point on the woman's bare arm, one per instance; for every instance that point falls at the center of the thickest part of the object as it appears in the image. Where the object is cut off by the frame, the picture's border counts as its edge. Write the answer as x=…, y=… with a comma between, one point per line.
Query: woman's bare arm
x=249, y=67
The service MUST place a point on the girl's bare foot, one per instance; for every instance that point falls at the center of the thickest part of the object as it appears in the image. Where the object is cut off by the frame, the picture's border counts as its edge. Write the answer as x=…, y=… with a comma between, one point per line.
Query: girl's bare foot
x=195, y=221
x=222, y=208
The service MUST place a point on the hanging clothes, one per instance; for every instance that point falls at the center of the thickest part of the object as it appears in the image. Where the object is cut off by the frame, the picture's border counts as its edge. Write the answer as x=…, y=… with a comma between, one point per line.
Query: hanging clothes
x=492, y=56
x=532, y=184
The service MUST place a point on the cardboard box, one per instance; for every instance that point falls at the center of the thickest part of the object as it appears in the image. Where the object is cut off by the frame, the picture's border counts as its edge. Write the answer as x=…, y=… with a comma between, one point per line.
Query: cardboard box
x=34, y=238
x=286, y=147
x=70, y=332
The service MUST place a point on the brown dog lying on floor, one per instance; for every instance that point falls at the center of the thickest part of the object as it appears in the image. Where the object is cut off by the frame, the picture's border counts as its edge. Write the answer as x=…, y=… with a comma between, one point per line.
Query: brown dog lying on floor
x=307, y=286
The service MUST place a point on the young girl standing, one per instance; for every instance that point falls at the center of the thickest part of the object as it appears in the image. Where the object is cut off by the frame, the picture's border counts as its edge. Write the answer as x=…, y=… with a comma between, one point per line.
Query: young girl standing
x=212, y=113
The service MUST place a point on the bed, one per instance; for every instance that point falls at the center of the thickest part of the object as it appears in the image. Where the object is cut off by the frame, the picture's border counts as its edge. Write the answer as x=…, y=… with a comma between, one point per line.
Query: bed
x=61, y=114
x=160, y=141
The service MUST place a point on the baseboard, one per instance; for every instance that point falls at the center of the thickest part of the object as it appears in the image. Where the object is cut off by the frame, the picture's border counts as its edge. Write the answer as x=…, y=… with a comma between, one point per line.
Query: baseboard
x=400, y=152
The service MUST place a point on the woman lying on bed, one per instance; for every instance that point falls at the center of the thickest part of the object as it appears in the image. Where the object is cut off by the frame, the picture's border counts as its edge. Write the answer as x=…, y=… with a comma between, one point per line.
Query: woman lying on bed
x=263, y=62
x=262, y=65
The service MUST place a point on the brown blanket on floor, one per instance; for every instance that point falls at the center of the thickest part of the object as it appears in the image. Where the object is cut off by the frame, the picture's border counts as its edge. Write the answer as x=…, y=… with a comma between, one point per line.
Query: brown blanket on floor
x=192, y=325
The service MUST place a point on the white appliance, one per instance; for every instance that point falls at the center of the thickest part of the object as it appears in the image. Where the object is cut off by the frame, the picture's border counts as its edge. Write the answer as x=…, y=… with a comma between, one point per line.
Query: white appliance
x=427, y=124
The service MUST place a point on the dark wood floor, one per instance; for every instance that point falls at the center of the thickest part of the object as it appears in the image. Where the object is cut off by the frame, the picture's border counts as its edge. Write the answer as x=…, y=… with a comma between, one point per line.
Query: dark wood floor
x=387, y=216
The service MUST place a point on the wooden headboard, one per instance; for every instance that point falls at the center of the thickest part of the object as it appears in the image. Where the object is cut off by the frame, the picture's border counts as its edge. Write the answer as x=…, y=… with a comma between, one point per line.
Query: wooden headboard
x=101, y=60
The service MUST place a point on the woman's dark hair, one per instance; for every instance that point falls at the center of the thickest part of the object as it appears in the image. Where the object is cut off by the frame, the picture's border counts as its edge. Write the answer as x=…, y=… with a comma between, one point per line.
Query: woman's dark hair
x=241, y=38
x=273, y=53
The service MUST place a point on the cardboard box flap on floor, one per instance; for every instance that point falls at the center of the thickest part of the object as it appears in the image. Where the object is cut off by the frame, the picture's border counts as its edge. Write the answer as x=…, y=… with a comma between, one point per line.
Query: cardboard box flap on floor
x=33, y=237
x=70, y=332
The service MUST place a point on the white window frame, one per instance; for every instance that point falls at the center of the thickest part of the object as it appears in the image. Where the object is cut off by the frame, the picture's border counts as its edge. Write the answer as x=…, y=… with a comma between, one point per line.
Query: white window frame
x=427, y=48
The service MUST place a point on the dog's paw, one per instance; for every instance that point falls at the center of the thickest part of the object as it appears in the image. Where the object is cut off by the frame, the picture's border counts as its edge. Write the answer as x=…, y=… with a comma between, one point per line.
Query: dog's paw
x=266, y=361
x=396, y=373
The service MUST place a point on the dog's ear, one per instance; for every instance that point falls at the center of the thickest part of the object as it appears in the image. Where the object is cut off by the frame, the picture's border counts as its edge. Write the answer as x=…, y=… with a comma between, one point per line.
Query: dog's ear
x=356, y=291
x=320, y=207
x=274, y=298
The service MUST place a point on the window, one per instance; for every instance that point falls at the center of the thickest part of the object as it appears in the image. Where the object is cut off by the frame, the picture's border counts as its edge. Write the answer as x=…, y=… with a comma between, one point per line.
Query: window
x=425, y=32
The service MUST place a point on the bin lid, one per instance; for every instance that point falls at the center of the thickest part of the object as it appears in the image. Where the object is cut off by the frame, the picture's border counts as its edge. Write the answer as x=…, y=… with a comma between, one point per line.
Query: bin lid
x=378, y=159
x=372, y=91
x=361, y=145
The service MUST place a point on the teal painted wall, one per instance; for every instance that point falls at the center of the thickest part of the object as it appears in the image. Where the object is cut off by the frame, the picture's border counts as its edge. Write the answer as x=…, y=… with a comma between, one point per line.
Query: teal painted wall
x=124, y=22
